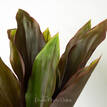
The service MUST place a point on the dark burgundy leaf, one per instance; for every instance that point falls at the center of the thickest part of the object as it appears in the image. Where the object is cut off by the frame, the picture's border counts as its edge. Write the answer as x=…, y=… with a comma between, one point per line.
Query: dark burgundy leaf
x=68, y=96
x=28, y=40
x=14, y=56
x=10, y=95
x=64, y=58
x=83, y=49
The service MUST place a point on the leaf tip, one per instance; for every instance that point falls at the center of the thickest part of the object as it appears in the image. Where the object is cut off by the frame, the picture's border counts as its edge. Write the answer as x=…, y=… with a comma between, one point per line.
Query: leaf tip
x=94, y=63
x=11, y=33
x=89, y=23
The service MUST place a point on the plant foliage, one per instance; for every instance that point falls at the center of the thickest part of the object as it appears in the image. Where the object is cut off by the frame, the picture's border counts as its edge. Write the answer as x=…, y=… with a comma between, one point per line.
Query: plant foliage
x=42, y=78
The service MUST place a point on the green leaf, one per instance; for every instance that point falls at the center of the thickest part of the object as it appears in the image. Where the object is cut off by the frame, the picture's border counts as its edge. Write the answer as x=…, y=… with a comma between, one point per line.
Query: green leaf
x=9, y=88
x=43, y=79
x=68, y=96
x=11, y=34
x=47, y=35
x=14, y=56
x=83, y=48
x=29, y=41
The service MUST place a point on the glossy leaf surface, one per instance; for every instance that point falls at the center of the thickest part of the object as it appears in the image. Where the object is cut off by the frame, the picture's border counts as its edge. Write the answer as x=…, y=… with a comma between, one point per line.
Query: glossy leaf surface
x=43, y=78
x=28, y=40
x=63, y=63
x=64, y=58
x=83, y=48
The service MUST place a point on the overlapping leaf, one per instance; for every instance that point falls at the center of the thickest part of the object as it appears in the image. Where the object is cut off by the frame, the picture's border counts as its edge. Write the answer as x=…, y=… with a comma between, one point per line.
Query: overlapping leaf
x=10, y=95
x=80, y=48
x=70, y=45
x=68, y=96
x=14, y=56
x=64, y=58
x=43, y=78
x=25, y=43
x=28, y=40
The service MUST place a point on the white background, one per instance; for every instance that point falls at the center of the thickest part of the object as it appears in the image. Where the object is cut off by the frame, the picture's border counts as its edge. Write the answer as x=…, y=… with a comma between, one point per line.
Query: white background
x=65, y=17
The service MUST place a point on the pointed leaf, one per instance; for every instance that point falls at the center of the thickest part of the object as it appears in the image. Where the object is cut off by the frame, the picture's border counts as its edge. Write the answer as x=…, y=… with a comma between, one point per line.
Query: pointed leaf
x=11, y=34
x=64, y=58
x=43, y=78
x=47, y=35
x=9, y=88
x=28, y=40
x=83, y=49
x=78, y=36
x=14, y=56
x=70, y=45
x=68, y=96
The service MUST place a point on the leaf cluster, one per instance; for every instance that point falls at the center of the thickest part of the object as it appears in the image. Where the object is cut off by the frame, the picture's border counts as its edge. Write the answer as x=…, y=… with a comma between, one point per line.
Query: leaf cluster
x=43, y=78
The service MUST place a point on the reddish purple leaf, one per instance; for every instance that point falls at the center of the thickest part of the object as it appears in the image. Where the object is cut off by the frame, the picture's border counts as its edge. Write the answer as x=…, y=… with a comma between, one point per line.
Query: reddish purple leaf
x=68, y=96
x=29, y=41
x=80, y=53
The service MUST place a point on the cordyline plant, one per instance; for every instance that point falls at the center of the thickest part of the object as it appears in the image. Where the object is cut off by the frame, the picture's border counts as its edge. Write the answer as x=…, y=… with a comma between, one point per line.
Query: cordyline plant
x=41, y=78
